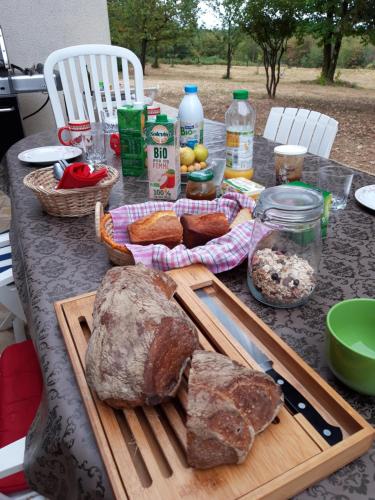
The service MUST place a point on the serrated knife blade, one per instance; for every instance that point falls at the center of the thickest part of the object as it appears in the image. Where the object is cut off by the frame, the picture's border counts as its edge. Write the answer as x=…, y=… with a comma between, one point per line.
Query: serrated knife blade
x=292, y=397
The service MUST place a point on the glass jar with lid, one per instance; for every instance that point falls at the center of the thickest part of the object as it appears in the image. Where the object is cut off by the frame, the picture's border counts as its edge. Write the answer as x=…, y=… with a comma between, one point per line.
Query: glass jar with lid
x=283, y=267
x=200, y=185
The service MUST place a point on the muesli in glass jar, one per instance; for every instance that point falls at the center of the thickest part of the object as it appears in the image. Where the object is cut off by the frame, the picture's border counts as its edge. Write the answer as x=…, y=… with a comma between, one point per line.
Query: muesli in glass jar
x=283, y=268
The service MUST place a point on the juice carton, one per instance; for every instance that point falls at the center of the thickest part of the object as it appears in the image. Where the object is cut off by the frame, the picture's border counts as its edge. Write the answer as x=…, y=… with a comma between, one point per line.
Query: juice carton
x=327, y=200
x=131, y=123
x=163, y=158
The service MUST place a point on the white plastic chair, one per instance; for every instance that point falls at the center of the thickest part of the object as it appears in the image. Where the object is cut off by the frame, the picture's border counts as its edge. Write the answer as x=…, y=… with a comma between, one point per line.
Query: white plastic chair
x=8, y=292
x=11, y=461
x=307, y=128
x=100, y=61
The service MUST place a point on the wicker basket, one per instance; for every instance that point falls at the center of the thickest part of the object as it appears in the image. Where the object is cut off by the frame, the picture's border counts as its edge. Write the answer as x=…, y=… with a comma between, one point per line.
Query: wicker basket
x=118, y=254
x=69, y=202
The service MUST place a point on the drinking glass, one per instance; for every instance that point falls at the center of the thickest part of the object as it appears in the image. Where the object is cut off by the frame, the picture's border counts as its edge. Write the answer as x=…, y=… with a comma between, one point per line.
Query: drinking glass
x=95, y=146
x=336, y=180
x=217, y=165
x=109, y=120
x=109, y=123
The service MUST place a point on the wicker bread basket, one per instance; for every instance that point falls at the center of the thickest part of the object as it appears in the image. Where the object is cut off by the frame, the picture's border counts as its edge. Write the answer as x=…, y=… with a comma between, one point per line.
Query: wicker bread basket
x=118, y=254
x=69, y=202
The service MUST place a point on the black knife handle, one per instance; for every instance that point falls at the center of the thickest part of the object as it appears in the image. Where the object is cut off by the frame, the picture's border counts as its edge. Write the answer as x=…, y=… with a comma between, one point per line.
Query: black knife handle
x=298, y=404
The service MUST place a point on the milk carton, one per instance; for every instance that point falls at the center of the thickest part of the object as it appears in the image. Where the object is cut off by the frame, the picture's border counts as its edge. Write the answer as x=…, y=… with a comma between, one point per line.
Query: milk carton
x=163, y=158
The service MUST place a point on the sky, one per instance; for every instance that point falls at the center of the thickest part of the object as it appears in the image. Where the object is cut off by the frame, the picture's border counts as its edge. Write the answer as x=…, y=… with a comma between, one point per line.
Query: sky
x=208, y=17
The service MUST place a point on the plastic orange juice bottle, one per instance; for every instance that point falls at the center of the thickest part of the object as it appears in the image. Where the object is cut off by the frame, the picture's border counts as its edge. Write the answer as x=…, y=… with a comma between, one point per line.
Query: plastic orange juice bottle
x=240, y=125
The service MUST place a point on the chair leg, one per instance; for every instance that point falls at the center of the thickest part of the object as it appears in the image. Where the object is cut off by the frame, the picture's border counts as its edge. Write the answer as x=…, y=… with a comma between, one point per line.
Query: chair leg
x=27, y=495
x=19, y=330
x=10, y=299
x=6, y=324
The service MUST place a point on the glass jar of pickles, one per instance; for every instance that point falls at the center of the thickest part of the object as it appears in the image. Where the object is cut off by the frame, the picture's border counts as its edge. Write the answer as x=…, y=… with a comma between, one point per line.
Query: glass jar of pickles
x=200, y=185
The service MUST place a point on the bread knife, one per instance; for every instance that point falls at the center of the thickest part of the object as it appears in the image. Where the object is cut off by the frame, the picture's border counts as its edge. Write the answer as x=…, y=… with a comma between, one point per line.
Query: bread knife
x=294, y=400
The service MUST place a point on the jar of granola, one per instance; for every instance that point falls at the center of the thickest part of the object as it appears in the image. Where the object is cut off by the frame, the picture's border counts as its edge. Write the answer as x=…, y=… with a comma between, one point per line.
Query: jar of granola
x=283, y=268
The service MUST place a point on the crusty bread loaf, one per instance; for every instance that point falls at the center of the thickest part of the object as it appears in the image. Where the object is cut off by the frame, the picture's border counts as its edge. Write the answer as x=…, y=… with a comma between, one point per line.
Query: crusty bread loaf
x=227, y=405
x=199, y=229
x=141, y=339
x=160, y=227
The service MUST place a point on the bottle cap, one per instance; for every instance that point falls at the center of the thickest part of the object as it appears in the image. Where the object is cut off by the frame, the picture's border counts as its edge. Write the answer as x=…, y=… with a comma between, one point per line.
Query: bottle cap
x=241, y=94
x=191, y=89
x=161, y=119
x=201, y=175
x=191, y=143
x=290, y=150
x=138, y=105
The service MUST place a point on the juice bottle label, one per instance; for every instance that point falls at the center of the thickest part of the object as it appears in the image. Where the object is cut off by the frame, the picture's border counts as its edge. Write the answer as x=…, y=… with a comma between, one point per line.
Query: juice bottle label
x=191, y=131
x=239, y=149
x=163, y=160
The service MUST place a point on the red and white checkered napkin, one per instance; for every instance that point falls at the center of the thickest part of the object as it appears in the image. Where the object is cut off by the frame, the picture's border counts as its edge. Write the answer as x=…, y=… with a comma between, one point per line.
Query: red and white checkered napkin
x=220, y=254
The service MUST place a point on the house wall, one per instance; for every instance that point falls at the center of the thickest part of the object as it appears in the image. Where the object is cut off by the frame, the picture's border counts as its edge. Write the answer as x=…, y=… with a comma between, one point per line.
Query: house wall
x=34, y=28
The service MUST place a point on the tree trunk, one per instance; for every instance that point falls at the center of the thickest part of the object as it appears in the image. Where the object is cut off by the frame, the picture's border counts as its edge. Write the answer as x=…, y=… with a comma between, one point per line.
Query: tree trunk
x=335, y=56
x=330, y=58
x=327, y=58
x=143, y=54
x=229, y=53
x=272, y=62
x=266, y=64
x=229, y=61
x=332, y=42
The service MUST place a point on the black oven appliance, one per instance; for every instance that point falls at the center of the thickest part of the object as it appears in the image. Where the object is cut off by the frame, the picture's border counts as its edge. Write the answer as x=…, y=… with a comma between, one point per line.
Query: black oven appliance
x=13, y=81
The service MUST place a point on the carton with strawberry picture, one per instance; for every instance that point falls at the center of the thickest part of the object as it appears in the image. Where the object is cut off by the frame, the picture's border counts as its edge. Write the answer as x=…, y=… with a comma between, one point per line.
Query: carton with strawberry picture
x=163, y=162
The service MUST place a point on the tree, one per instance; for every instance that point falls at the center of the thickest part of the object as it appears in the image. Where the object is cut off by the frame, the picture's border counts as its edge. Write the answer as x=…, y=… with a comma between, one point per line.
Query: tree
x=139, y=23
x=229, y=12
x=331, y=20
x=271, y=23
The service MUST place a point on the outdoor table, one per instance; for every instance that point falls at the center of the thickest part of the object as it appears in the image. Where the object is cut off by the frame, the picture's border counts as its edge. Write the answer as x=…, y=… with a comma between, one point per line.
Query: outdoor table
x=56, y=258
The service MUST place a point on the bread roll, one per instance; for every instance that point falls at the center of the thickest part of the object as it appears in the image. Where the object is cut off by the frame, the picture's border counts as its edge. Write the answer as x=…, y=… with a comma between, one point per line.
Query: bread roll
x=243, y=215
x=141, y=339
x=228, y=404
x=160, y=227
x=199, y=229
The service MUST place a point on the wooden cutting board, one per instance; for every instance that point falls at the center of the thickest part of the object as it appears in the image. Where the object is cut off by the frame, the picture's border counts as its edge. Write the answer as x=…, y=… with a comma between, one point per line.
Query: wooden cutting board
x=144, y=449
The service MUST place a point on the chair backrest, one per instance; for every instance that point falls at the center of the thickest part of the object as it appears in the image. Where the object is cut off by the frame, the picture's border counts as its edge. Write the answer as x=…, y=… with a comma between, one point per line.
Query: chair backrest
x=307, y=128
x=81, y=68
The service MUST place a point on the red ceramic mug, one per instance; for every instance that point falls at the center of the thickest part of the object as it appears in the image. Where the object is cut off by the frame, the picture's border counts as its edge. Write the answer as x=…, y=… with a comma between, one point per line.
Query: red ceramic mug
x=77, y=130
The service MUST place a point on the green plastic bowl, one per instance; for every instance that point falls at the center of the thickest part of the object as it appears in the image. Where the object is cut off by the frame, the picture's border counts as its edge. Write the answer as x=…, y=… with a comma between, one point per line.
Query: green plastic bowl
x=350, y=343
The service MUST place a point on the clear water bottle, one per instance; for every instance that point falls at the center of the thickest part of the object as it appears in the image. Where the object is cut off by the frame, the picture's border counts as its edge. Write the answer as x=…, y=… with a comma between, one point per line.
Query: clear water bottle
x=190, y=114
x=240, y=126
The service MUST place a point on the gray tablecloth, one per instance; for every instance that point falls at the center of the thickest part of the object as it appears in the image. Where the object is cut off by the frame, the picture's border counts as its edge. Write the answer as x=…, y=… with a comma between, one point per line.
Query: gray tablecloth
x=58, y=258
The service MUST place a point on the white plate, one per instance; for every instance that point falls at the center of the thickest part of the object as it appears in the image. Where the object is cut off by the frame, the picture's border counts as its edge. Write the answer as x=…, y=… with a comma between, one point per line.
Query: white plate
x=366, y=196
x=49, y=154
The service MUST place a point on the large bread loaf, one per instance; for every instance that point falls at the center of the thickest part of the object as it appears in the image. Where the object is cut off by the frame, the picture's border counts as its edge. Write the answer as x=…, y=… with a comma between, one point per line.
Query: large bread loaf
x=141, y=340
x=227, y=405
